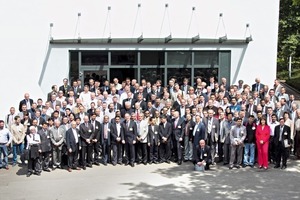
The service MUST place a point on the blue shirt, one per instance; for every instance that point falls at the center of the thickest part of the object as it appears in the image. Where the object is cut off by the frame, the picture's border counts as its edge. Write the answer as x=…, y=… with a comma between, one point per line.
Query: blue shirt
x=5, y=136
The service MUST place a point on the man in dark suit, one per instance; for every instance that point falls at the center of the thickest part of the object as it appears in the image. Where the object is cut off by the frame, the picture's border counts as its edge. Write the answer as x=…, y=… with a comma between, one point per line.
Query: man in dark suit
x=282, y=142
x=75, y=88
x=45, y=147
x=27, y=101
x=117, y=136
x=105, y=139
x=87, y=135
x=65, y=87
x=73, y=143
x=203, y=157
x=178, y=127
x=96, y=141
x=198, y=132
x=212, y=132
x=53, y=91
x=188, y=136
x=130, y=133
x=257, y=85
x=153, y=141
x=117, y=106
x=185, y=86
x=141, y=92
x=165, y=131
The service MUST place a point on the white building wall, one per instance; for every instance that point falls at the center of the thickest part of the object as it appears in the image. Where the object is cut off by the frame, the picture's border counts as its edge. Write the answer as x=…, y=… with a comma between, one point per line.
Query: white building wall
x=25, y=30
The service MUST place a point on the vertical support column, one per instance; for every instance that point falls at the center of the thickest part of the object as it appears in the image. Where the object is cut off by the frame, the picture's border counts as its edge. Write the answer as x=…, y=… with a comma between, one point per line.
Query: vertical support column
x=166, y=70
x=192, y=70
x=81, y=71
x=138, y=67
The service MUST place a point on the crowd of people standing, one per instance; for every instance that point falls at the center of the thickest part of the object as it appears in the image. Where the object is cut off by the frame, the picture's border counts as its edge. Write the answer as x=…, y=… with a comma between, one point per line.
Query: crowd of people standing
x=128, y=123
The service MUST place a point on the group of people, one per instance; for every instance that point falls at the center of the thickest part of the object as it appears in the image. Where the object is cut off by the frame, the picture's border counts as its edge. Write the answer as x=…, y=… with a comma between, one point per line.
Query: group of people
x=81, y=125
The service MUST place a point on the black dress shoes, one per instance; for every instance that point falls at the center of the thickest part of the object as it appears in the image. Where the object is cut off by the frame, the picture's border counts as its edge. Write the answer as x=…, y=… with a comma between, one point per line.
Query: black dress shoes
x=276, y=166
x=132, y=164
x=28, y=174
x=283, y=167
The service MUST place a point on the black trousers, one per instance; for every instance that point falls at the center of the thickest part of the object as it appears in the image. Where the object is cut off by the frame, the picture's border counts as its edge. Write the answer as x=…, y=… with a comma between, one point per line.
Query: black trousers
x=226, y=152
x=153, y=152
x=272, y=150
x=165, y=151
x=141, y=149
x=129, y=153
x=86, y=155
x=97, y=151
x=282, y=154
x=44, y=160
x=178, y=150
x=117, y=155
x=105, y=151
x=73, y=158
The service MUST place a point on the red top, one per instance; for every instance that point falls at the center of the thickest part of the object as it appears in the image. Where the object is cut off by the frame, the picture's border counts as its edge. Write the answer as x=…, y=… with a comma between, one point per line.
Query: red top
x=263, y=134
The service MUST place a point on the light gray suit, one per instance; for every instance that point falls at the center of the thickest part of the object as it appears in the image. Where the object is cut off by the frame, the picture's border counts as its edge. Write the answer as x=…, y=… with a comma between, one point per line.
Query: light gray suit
x=237, y=137
x=57, y=136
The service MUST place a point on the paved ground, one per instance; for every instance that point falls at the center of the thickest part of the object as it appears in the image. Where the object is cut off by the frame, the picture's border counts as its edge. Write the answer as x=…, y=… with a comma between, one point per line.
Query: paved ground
x=164, y=181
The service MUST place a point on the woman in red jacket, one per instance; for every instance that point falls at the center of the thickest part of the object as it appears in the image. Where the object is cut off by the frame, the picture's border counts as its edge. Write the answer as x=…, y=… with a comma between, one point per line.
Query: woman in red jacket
x=262, y=142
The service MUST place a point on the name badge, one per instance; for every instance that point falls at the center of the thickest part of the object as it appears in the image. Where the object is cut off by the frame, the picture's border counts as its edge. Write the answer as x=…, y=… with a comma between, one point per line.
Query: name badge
x=96, y=127
x=179, y=126
x=205, y=154
x=78, y=93
x=130, y=129
x=285, y=133
x=214, y=126
x=28, y=124
x=60, y=135
x=242, y=132
x=253, y=128
x=90, y=130
x=78, y=135
x=144, y=99
x=197, y=129
x=48, y=137
x=155, y=132
x=108, y=130
x=191, y=128
x=144, y=129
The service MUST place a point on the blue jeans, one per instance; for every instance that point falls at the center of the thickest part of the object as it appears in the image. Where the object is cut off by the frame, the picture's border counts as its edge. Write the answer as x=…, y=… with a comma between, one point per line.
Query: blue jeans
x=17, y=149
x=249, y=158
x=3, y=150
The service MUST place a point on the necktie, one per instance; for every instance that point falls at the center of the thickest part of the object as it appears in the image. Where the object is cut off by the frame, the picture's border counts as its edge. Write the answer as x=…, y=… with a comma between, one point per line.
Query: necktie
x=175, y=123
x=209, y=125
x=86, y=125
x=280, y=135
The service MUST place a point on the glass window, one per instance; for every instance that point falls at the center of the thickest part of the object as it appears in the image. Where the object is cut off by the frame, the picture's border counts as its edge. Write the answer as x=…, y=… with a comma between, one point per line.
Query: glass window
x=94, y=58
x=74, y=66
x=179, y=58
x=124, y=58
x=205, y=73
x=152, y=57
x=209, y=58
x=152, y=74
x=179, y=74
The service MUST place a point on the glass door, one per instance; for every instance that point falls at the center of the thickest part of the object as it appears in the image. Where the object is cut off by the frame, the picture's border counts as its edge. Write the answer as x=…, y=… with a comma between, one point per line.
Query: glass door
x=98, y=73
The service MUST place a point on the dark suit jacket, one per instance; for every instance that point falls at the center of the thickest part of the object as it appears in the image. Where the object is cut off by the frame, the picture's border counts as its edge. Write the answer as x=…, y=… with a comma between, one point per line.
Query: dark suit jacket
x=114, y=133
x=205, y=155
x=119, y=106
x=178, y=131
x=254, y=86
x=130, y=132
x=124, y=111
x=70, y=139
x=76, y=93
x=286, y=134
x=45, y=140
x=24, y=102
x=97, y=130
x=108, y=133
x=165, y=132
x=199, y=134
x=153, y=137
x=215, y=129
x=86, y=133
x=190, y=129
x=62, y=88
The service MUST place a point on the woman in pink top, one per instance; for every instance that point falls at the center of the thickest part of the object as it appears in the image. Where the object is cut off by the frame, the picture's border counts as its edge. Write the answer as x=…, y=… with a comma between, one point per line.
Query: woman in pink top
x=262, y=141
